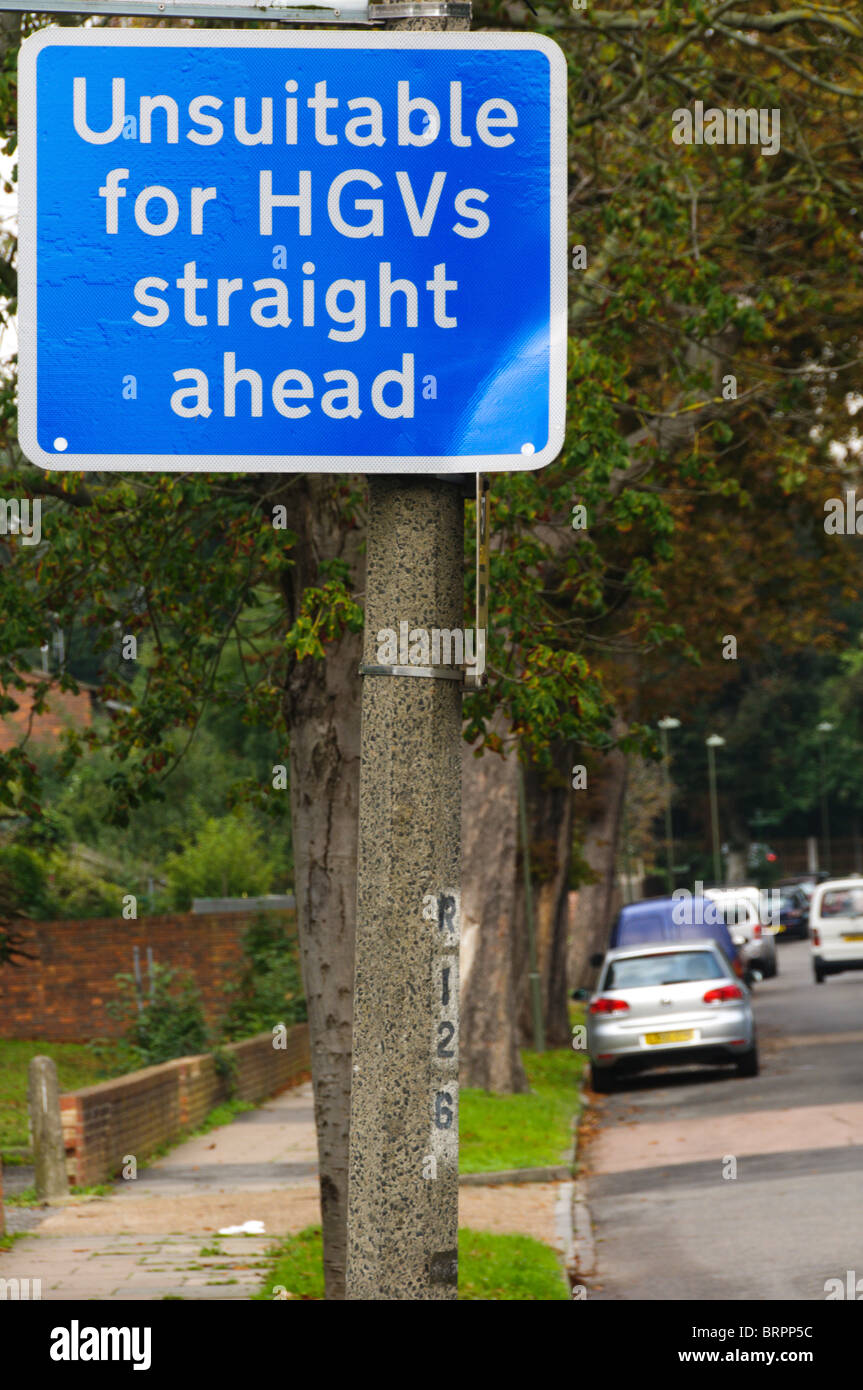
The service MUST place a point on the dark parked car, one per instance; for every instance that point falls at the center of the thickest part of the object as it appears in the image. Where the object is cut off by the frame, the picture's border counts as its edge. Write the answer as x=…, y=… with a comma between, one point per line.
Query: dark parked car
x=793, y=911
x=807, y=882
x=666, y=920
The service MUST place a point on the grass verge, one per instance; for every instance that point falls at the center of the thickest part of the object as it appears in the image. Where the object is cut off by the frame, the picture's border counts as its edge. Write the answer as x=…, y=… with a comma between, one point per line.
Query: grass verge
x=76, y=1066
x=491, y=1268
x=533, y=1130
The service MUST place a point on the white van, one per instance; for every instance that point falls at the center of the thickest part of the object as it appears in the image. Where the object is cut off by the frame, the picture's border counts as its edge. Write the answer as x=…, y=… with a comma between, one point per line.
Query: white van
x=836, y=927
x=744, y=913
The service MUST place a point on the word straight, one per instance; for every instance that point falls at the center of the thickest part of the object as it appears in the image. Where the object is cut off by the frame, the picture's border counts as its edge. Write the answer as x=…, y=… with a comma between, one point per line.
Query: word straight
x=344, y=302
x=418, y=120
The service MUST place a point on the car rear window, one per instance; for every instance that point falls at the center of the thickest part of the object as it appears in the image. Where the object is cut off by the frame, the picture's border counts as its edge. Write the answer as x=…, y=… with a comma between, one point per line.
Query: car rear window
x=663, y=968
x=842, y=902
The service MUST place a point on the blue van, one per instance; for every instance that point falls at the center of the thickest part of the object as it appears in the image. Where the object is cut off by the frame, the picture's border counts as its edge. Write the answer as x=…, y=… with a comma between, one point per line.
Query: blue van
x=675, y=919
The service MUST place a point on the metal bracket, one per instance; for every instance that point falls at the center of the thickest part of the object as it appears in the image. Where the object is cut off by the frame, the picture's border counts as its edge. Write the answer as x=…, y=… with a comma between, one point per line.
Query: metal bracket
x=206, y=9
x=467, y=676
x=473, y=681
x=419, y=9
x=427, y=672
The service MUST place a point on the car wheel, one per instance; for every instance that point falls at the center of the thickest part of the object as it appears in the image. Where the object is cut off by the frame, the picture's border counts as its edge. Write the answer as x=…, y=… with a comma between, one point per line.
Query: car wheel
x=602, y=1079
x=748, y=1063
x=820, y=977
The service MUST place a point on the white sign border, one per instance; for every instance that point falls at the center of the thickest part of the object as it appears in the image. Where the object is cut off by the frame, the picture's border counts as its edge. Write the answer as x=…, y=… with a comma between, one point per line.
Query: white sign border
x=290, y=463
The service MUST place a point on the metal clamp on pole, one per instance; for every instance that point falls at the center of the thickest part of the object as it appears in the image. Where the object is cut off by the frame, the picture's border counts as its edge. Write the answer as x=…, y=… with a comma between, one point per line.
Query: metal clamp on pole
x=447, y=673
x=471, y=677
x=419, y=9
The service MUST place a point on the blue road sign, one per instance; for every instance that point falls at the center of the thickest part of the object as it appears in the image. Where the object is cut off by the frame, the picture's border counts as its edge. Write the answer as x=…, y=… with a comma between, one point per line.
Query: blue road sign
x=259, y=250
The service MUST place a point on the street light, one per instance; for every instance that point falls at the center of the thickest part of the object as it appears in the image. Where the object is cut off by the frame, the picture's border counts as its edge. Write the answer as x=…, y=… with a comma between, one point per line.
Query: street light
x=664, y=725
x=714, y=741
x=825, y=727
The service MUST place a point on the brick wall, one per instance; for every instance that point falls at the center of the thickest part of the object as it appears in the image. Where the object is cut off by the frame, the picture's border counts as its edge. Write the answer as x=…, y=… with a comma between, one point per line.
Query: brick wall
x=61, y=996
x=136, y=1114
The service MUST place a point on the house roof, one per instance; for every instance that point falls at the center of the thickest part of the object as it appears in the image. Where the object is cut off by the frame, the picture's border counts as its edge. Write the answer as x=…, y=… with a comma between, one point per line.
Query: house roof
x=64, y=710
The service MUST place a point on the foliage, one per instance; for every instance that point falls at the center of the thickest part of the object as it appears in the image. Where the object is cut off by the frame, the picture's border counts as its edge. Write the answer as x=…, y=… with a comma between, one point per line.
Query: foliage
x=699, y=261
x=491, y=1267
x=270, y=988
x=168, y=1022
x=225, y=857
x=26, y=879
x=53, y=884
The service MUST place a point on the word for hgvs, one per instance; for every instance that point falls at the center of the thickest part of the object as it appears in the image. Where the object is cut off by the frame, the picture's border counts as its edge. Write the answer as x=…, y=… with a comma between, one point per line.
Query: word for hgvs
x=418, y=646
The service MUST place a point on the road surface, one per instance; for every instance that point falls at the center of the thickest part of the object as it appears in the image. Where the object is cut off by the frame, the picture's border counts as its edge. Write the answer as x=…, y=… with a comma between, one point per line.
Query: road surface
x=670, y=1219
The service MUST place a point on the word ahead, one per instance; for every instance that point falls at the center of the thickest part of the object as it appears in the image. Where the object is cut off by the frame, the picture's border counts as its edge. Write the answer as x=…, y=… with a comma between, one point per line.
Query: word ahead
x=284, y=251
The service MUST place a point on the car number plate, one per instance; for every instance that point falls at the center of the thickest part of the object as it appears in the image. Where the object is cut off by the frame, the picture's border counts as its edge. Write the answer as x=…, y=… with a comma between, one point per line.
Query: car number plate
x=682, y=1035
x=852, y=936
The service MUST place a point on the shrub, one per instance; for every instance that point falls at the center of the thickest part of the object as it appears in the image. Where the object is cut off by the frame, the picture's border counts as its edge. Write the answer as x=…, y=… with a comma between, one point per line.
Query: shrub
x=270, y=988
x=26, y=878
x=226, y=857
x=162, y=1025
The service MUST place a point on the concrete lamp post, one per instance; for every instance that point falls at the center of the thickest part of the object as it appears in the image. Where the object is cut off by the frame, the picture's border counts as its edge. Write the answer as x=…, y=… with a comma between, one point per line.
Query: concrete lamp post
x=713, y=742
x=664, y=725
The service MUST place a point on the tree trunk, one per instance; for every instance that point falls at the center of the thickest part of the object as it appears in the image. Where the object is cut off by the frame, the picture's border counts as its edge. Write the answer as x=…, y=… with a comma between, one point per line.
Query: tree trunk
x=598, y=901
x=322, y=704
x=548, y=797
x=488, y=1048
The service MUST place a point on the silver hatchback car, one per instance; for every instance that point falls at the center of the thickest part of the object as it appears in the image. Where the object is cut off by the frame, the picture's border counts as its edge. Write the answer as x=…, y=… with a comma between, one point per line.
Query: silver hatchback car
x=674, y=1004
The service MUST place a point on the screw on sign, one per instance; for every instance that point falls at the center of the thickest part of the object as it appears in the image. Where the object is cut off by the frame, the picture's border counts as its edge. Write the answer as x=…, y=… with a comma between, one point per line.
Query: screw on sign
x=284, y=251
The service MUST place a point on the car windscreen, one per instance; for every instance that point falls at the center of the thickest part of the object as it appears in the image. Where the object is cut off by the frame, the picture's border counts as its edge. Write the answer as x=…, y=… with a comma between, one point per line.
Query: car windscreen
x=842, y=902
x=663, y=968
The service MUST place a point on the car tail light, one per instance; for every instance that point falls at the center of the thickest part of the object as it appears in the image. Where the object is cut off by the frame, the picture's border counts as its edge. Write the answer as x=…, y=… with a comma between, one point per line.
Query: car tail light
x=608, y=1006
x=723, y=995
x=737, y=968
x=756, y=930
x=816, y=940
